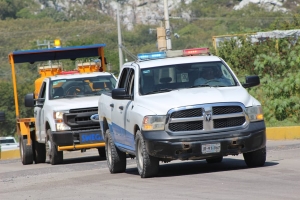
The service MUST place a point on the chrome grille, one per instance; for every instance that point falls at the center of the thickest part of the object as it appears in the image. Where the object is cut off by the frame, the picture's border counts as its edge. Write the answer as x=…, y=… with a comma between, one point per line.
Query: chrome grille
x=219, y=110
x=206, y=118
x=230, y=122
x=187, y=113
x=186, y=126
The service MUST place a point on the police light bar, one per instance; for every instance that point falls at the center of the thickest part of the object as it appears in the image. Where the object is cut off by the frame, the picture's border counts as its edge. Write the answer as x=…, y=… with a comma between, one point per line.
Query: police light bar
x=174, y=53
x=195, y=51
x=151, y=56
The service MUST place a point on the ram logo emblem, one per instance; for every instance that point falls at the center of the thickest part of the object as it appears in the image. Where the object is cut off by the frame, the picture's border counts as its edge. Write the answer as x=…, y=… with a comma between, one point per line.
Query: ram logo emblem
x=208, y=117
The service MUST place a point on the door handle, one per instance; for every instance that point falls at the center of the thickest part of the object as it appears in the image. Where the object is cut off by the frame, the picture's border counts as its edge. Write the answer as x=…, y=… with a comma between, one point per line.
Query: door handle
x=111, y=105
x=121, y=107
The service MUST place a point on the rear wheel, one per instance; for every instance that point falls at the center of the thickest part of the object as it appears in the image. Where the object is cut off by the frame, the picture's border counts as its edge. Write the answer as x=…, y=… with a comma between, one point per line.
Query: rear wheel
x=26, y=152
x=214, y=159
x=40, y=152
x=255, y=158
x=147, y=165
x=102, y=152
x=55, y=156
x=116, y=159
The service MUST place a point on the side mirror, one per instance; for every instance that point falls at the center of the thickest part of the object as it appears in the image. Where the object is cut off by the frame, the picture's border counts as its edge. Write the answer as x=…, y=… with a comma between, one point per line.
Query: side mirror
x=29, y=100
x=251, y=81
x=120, y=93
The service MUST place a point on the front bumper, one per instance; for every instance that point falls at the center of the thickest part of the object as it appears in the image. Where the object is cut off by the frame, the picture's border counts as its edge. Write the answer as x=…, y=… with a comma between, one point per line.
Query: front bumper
x=163, y=145
x=68, y=140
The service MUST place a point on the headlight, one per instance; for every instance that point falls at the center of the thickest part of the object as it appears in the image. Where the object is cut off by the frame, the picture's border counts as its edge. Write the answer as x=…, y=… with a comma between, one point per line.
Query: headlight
x=59, y=122
x=62, y=127
x=58, y=116
x=154, y=123
x=255, y=113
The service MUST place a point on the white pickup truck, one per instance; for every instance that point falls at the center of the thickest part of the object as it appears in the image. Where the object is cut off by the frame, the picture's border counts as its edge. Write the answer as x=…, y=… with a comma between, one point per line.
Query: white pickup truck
x=62, y=114
x=186, y=105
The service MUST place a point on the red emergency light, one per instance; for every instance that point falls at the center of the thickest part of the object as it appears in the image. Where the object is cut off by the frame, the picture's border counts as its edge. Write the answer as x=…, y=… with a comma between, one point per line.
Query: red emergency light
x=69, y=72
x=195, y=51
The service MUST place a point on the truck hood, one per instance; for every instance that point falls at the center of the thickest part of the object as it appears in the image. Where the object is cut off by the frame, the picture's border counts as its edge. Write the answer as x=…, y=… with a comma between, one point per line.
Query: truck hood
x=161, y=103
x=71, y=103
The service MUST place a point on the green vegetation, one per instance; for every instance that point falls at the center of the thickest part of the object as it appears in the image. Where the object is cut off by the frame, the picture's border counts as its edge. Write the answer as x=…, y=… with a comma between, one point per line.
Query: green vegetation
x=23, y=23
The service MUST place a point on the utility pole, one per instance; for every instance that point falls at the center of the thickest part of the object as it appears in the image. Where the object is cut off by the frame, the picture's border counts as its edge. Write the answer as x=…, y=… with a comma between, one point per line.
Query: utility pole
x=119, y=39
x=167, y=25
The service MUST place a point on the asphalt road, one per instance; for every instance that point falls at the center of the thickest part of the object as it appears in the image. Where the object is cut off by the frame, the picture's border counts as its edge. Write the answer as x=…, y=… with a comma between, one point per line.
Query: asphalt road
x=85, y=176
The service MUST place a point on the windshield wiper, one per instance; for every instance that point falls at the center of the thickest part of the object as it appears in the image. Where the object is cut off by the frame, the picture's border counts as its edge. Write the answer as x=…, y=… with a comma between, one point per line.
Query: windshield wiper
x=159, y=91
x=202, y=85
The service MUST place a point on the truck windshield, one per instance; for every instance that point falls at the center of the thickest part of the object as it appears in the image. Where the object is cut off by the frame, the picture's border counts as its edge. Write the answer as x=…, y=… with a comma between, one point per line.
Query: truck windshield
x=81, y=87
x=188, y=75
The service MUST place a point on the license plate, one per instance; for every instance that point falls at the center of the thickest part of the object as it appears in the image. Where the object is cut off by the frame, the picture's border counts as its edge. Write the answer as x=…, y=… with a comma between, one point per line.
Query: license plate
x=211, y=148
x=90, y=138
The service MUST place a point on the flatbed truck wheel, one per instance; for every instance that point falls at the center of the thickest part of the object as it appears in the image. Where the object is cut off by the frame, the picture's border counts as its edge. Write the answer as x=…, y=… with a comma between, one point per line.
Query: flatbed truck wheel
x=116, y=159
x=26, y=152
x=147, y=165
x=255, y=158
x=55, y=156
x=102, y=153
x=40, y=152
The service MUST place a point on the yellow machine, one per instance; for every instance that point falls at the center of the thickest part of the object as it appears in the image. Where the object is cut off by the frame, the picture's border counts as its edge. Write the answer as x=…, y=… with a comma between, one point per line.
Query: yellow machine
x=26, y=130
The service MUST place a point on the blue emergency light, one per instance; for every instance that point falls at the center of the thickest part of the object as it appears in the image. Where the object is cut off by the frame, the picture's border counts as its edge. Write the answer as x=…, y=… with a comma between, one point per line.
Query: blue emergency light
x=151, y=56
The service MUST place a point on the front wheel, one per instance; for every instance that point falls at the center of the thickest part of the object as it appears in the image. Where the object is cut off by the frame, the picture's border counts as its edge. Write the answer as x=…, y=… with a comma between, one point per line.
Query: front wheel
x=26, y=152
x=116, y=159
x=55, y=156
x=147, y=165
x=255, y=158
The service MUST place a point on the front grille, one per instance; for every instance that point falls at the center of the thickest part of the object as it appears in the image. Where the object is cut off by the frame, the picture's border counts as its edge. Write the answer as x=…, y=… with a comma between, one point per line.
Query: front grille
x=187, y=113
x=220, y=110
x=79, y=119
x=82, y=110
x=230, y=122
x=186, y=126
x=206, y=118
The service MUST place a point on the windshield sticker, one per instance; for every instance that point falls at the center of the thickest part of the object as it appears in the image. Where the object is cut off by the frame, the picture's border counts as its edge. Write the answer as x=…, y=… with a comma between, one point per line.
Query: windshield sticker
x=184, y=77
x=59, y=81
x=146, y=71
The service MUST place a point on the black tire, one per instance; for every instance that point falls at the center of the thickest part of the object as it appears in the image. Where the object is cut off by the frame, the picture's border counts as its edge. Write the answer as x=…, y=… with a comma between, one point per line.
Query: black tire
x=102, y=152
x=55, y=156
x=147, y=165
x=26, y=152
x=116, y=159
x=214, y=159
x=255, y=158
x=40, y=152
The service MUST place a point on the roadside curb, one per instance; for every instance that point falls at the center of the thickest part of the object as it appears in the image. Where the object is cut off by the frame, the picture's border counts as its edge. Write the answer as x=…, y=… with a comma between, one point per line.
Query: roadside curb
x=283, y=133
x=10, y=154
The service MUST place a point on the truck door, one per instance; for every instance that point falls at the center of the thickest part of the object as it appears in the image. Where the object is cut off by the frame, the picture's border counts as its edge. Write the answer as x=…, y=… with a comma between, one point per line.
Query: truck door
x=118, y=113
x=39, y=114
x=129, y=135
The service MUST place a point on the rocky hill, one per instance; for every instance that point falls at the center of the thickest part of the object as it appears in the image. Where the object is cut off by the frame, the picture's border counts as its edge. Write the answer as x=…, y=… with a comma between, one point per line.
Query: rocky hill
x=151, y=12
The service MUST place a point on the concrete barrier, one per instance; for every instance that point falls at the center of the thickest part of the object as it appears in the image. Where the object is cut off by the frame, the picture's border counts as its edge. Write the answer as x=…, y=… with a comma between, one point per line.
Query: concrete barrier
x=283, y=133
x=10, y=154
x=273, y=133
